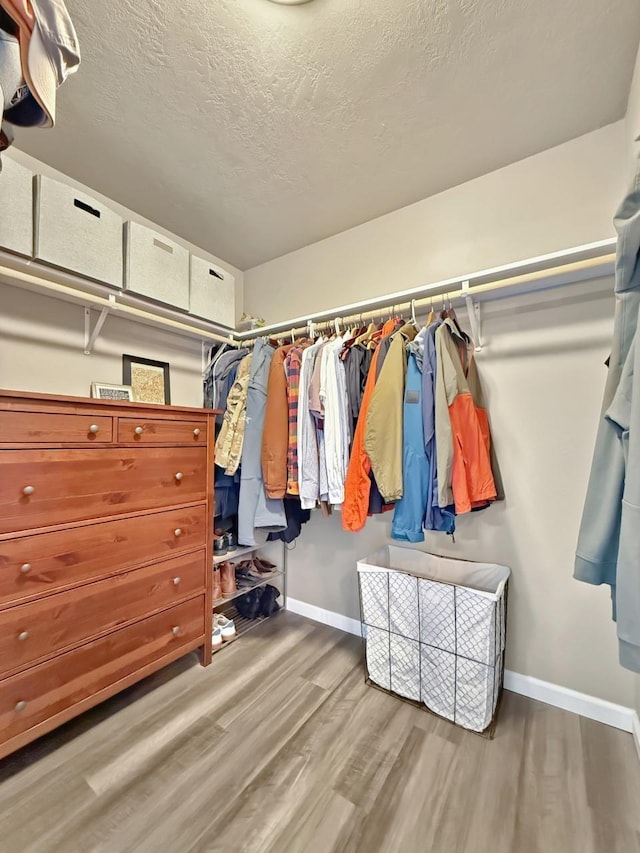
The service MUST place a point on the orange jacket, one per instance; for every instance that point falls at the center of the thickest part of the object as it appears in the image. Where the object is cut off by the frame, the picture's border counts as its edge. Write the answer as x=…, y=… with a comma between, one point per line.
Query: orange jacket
x=275, y=437
x=462, y=439
x=358, y=485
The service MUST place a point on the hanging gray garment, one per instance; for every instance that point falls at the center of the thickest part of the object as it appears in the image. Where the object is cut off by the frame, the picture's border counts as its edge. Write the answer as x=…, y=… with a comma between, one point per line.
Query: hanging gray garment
x=609, y=538
x=255, y=508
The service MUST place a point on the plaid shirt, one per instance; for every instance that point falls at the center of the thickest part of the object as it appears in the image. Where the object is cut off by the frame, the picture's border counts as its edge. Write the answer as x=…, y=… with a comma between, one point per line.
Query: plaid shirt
x=292, y=366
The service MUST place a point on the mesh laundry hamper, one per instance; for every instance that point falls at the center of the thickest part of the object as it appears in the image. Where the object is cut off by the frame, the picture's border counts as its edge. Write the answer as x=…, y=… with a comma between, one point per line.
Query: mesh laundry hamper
x=434, y=631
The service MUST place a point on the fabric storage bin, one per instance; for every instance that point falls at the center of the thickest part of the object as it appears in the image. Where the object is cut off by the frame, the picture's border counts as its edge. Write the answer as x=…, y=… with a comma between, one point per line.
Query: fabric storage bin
x=16, y=210
x=77, y=233
x=434, y=631
x=212, y=292
x=156, y=266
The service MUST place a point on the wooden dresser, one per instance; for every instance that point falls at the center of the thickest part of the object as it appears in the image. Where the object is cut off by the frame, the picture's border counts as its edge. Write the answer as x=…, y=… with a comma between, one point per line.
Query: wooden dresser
x=106, y=538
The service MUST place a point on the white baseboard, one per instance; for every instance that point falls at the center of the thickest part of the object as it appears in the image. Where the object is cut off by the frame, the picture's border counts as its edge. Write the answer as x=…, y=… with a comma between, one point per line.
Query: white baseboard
x=614, y=715
x=609, y=713
x=327, y=617
x=636, y=732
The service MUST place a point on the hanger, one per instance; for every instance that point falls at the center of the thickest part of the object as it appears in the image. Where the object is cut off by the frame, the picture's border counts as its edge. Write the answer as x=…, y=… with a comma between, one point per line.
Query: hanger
x=413, y=313
x=444, y=314
x=432, y=314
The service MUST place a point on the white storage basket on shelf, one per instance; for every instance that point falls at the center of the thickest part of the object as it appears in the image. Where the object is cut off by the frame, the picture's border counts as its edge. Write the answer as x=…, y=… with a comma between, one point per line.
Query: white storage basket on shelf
x=434, y=631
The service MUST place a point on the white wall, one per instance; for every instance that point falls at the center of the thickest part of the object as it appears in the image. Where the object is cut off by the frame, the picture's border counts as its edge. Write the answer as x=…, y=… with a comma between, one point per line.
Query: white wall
x=42, y=343
x=543, y=370
x=560, y=198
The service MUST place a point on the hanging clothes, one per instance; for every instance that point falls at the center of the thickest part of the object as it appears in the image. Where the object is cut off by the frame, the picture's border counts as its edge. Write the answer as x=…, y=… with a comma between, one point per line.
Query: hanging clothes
x=308, y=459
x=609, y=538
x=221, y=376
x=333, y=394
x=275, y=440
x=462, y=430
x=255, y=508
x=384, y=433
x=356, y=360
x=292, y=364
x=231, y=436
x=410, y=509
x=436, y=518
x=358, y=483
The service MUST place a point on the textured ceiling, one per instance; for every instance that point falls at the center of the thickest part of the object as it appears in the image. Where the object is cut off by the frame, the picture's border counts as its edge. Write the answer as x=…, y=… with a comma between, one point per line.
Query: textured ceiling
x=253, y=129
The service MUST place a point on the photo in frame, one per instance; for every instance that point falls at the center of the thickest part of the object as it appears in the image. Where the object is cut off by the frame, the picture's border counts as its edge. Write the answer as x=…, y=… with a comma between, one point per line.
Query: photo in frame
x=148, y=378
x=106, y=391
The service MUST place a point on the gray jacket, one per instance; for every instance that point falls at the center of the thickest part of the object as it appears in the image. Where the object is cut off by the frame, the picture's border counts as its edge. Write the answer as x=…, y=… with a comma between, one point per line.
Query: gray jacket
x=608, y=549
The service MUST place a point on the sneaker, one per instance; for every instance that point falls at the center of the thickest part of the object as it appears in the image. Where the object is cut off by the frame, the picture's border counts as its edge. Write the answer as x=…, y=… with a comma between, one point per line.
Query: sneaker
x=226, y=626
x=232, y=543
x=220, y=546
x=216, y=635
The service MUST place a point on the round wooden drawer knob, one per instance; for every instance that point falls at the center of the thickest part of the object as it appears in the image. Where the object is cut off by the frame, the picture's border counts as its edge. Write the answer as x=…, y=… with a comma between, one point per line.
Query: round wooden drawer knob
x=25, y=568
x=94, y=428
x=21, y=705
x=177, y=531
x=196, y=432
x=139, y=430
x=179, y=476
x=28, y=490
x=175, y=630
x=23, y=635
x=176, y=581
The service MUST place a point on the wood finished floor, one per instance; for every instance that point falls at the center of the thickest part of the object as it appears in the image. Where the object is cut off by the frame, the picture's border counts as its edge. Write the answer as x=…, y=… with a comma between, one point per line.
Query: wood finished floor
x=279, y=746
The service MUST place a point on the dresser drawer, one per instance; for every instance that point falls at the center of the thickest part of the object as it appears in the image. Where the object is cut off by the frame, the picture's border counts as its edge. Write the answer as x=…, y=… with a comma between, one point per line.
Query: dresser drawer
x=31, y=566
x=42, y=692
x=41, y=488
x=54, y=623
x=49, y=428
x=141, y=431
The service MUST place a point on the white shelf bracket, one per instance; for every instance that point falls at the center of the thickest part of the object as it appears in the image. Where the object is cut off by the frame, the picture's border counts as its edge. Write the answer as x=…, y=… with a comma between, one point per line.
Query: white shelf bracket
x=475, y=315
x=92, y=335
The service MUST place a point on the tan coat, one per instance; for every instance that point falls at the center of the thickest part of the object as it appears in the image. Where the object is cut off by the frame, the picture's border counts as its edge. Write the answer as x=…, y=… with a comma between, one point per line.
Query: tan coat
x=383, y=441
x=231, y=438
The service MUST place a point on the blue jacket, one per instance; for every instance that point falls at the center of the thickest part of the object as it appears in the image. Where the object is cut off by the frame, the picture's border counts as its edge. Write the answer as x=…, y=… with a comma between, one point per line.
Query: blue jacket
x=608, y=549
x=409, y=511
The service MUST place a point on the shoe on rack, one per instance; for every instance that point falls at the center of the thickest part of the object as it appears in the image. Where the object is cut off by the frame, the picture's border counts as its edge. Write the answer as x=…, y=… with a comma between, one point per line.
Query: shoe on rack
x=259, y=569
x=228, y=579
x=220, y=547
x=216, y=635
x=264, y=565
x=227, y=627
x=232, y=542
x=249, y=604
x=216, y=588
x=269, y=600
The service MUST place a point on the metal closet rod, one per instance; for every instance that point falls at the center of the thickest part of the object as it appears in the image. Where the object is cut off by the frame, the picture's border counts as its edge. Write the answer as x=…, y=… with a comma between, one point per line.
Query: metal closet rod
x=552, y=277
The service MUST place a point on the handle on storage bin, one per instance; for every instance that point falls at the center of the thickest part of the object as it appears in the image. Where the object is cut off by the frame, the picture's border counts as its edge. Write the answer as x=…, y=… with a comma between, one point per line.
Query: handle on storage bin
x=216, y=274
x=162, y=245
x=86, y=207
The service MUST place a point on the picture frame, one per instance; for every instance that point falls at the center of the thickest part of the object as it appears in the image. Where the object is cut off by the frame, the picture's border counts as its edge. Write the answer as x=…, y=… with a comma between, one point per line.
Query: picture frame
x=149, y=379
x=115, y=393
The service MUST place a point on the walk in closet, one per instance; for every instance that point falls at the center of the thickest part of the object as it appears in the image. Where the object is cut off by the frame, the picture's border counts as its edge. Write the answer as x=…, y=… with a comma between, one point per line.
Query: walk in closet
x=319, y=434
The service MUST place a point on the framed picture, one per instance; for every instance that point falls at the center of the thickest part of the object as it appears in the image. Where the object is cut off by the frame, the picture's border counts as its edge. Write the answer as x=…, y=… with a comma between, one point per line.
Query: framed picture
x=104, y=391
x=149, y=379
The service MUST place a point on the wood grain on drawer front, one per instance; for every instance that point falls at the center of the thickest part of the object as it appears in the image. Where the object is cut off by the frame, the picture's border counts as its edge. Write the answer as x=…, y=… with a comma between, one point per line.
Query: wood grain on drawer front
x=31, y=632
x=31, y=566
x=41, y=488
x=48, y=428
x=52, y=688
x=141, y=431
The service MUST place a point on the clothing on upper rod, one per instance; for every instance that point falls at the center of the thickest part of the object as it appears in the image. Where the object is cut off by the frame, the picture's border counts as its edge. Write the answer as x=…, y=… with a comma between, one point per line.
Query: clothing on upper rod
x=408, y=433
